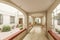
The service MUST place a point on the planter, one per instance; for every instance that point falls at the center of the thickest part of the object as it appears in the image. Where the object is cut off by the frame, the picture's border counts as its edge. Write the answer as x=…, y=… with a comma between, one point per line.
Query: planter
x=6, y=28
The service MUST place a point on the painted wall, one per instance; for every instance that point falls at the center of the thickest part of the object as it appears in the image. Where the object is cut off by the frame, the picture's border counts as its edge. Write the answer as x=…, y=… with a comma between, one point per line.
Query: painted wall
x=43, y=20
x=38, y=15
x=6, y=18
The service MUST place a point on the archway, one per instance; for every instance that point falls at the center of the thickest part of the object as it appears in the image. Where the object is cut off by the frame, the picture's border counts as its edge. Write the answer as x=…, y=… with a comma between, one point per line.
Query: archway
x=10, y=16
x=56, y=18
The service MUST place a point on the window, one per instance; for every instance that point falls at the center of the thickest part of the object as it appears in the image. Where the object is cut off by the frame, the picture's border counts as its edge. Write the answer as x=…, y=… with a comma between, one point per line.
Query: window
x=1, y=19
x=20, y=20
x=12, y=19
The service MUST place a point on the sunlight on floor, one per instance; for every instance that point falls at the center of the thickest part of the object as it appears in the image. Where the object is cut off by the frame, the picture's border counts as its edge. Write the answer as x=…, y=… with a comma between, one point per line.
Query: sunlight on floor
x=35, y=34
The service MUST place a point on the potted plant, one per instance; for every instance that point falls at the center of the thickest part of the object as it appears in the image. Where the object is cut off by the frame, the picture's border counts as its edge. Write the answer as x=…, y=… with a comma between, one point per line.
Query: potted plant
x=20, y=27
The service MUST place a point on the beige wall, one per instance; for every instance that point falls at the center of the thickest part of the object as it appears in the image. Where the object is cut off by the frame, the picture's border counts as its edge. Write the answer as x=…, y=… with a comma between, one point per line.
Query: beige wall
x=43, y=20
x=38, y=15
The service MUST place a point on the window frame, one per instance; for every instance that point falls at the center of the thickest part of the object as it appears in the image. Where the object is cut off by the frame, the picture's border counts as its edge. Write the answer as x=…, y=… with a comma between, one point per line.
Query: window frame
x=13, y=19
x=1, y=20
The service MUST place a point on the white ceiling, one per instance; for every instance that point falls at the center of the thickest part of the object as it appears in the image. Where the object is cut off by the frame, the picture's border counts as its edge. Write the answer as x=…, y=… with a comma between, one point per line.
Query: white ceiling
x=33, y=5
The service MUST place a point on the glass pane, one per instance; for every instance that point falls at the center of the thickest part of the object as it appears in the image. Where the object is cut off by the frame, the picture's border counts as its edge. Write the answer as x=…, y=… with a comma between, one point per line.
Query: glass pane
x=12, y=19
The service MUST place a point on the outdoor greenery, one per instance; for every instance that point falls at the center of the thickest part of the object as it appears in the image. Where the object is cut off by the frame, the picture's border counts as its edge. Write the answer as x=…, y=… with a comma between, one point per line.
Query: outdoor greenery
x=57, y=16
x=57, y=31
x=6, y=28
x=20, y=26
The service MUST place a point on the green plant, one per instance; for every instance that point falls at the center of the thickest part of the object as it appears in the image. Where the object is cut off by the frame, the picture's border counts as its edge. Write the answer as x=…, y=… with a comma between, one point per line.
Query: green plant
x=20, y=27
x=6, y=28
x=57, y=31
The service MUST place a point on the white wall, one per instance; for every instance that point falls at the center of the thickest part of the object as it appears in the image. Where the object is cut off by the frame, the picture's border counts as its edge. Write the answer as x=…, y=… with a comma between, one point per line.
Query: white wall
x=6, y=18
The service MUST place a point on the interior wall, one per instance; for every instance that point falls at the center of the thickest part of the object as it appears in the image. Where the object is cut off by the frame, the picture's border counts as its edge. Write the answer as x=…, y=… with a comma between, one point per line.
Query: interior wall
x=37, y=14
x=43, y=20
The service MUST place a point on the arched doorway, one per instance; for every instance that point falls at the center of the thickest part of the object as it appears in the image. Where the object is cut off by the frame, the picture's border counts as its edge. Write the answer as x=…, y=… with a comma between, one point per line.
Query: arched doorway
x=56, y=18
x=12, y=21
x=10, y=16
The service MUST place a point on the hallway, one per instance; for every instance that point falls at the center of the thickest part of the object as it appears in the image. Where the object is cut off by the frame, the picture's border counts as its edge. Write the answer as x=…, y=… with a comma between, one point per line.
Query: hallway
x=36, y=34
x=29, y=19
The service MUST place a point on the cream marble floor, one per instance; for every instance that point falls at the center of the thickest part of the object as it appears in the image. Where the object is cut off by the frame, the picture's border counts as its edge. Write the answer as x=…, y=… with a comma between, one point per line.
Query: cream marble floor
x=36, y=34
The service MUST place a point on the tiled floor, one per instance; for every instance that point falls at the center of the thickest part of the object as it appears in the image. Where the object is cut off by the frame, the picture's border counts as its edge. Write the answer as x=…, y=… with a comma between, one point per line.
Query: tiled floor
x=36, y=34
